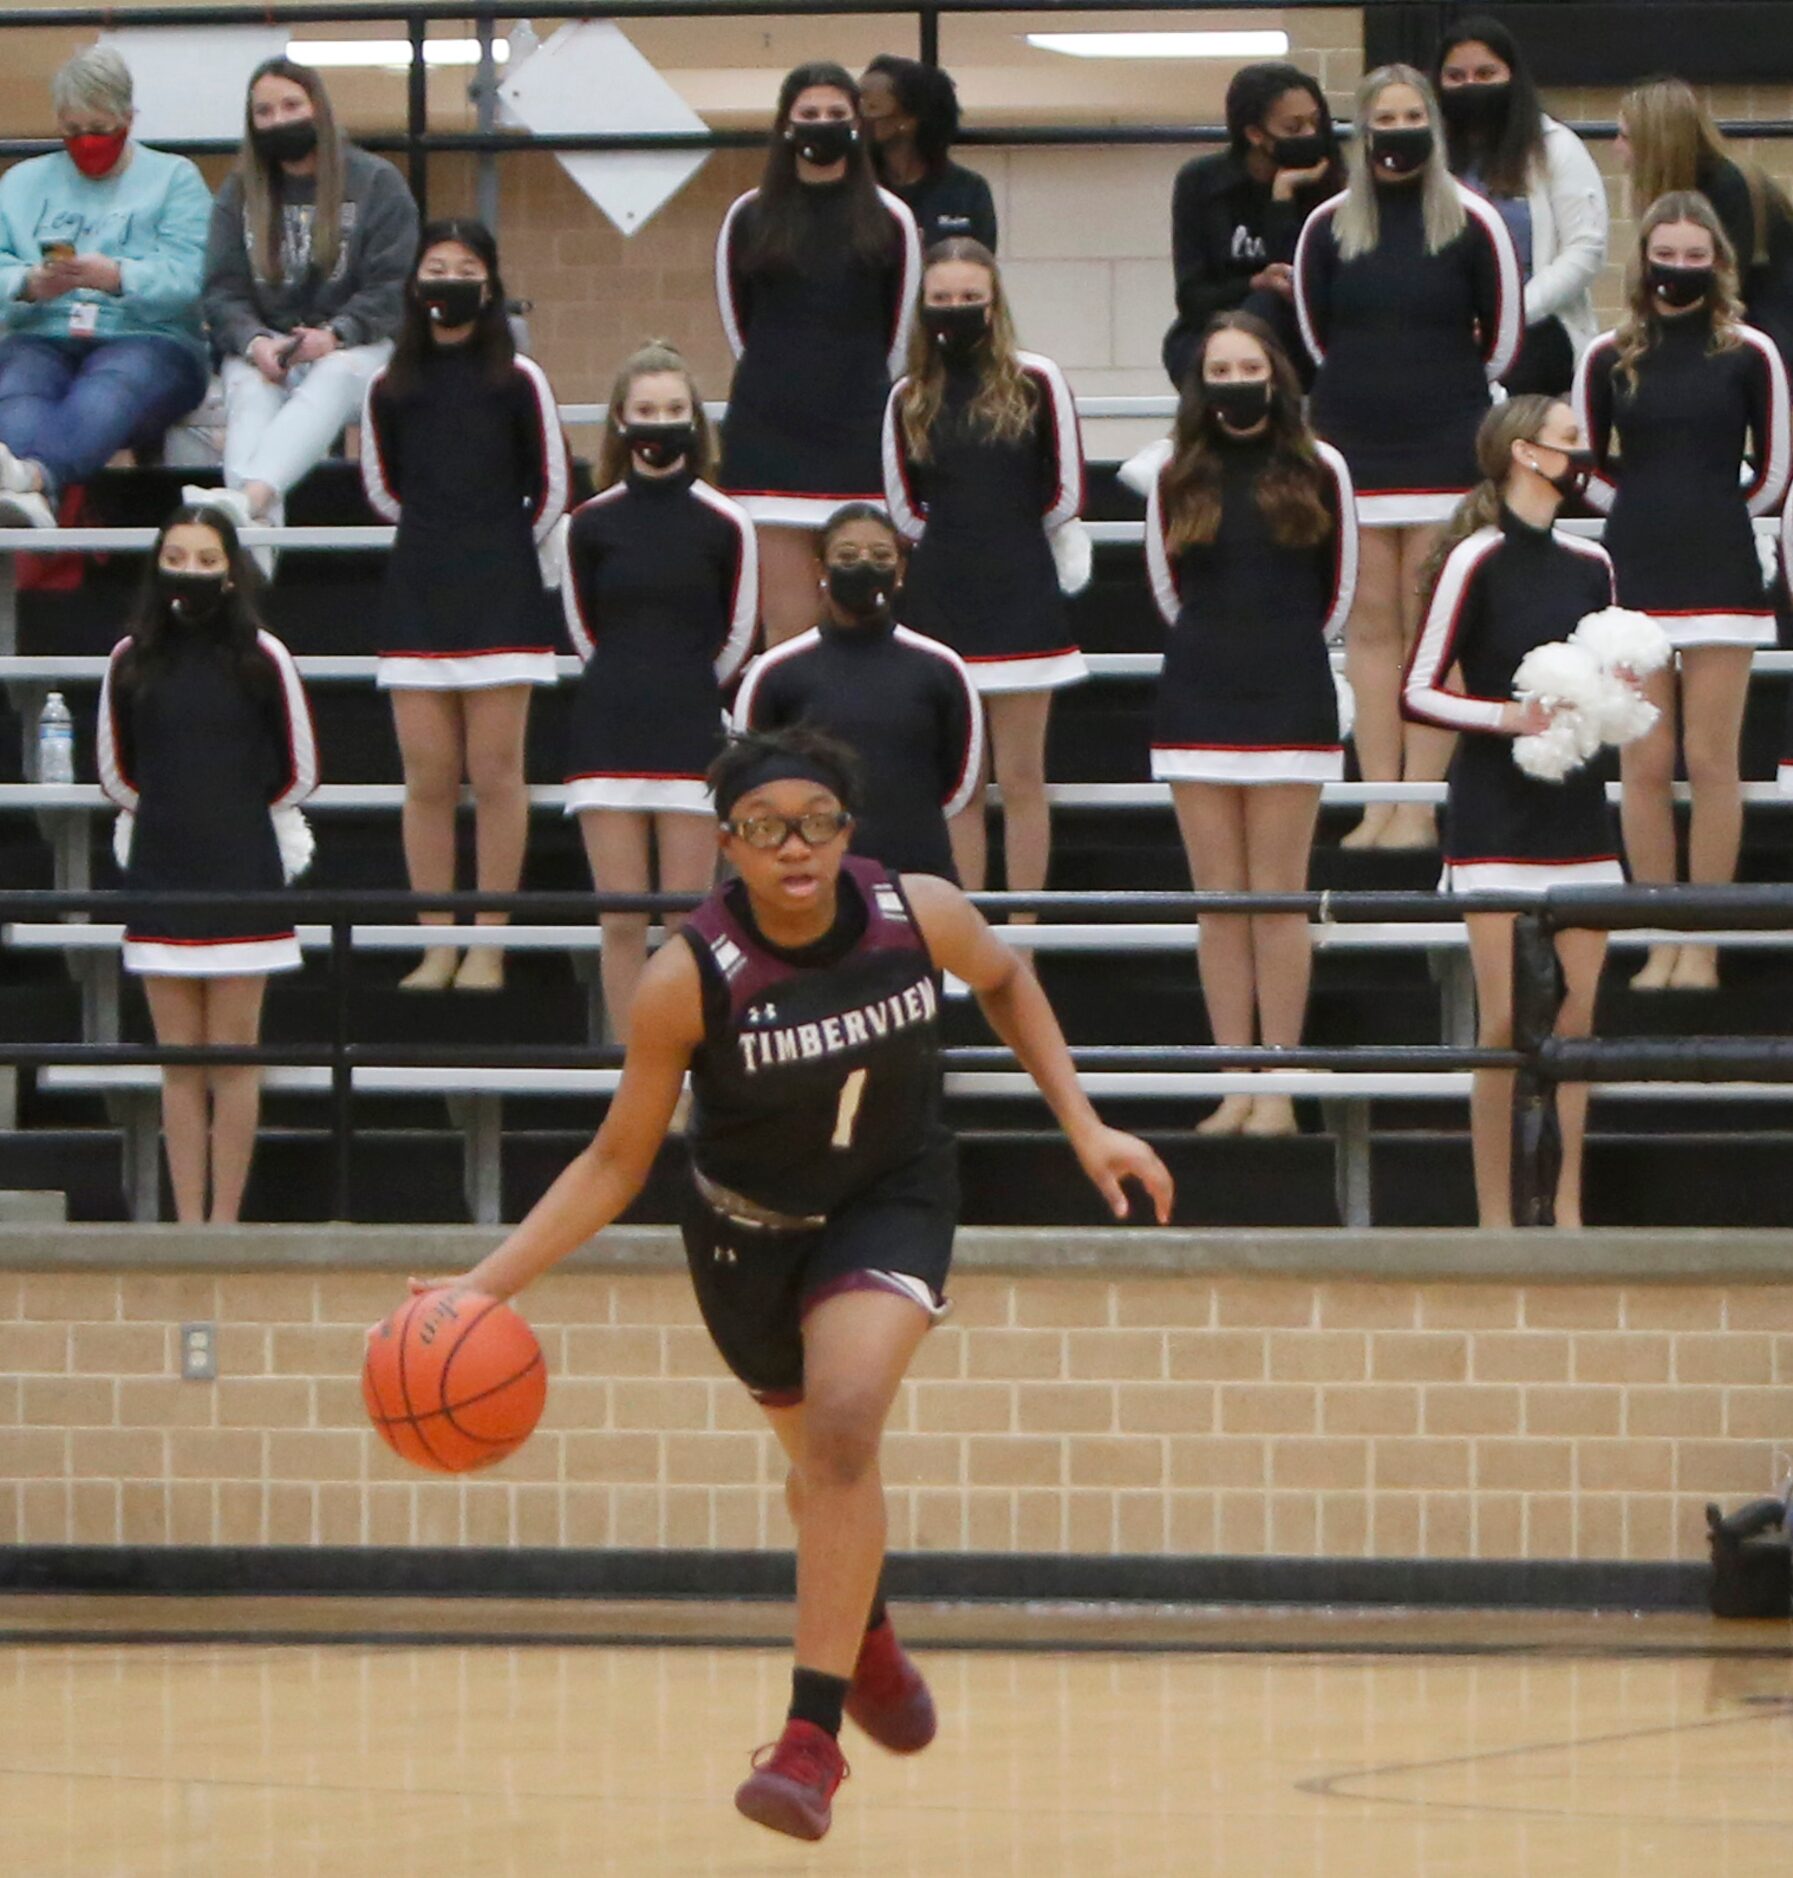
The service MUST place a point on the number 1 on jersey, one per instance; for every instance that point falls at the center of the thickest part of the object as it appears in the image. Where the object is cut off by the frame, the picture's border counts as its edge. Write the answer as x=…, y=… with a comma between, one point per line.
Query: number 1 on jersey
x=852, y=1091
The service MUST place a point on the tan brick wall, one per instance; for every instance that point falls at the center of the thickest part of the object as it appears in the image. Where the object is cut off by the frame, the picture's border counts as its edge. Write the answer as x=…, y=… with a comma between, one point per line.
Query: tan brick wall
x=1088, y=1415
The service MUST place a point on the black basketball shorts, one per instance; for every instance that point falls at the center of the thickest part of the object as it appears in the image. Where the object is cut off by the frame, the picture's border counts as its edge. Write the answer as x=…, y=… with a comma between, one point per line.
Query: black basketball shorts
x=755, y=1284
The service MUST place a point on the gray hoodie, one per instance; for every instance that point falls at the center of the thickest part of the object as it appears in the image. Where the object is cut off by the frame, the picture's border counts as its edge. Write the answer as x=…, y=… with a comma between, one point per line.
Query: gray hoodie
x=364, y=298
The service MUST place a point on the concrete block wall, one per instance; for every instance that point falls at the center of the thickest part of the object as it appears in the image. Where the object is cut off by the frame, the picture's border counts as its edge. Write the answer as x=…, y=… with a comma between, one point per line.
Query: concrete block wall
x=1088, y=1413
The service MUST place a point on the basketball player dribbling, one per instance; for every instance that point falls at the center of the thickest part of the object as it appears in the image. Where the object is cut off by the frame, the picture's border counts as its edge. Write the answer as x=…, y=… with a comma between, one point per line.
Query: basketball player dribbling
x=804, y=1003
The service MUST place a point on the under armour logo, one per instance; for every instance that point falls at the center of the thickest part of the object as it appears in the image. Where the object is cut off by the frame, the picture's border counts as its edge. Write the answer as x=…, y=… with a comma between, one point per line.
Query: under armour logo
x=725, y=1255
x=762, y=1013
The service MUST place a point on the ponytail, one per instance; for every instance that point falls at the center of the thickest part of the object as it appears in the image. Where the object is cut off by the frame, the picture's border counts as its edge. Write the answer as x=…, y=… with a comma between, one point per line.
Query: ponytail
x=1479, y=509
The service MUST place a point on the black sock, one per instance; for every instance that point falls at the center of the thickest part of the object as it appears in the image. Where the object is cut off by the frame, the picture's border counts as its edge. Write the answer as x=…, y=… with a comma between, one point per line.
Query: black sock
x=879, y=1613
x=818, y=1698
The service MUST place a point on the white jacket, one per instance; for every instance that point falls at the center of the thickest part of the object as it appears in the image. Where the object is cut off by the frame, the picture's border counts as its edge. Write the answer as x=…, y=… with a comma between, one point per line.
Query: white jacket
x=1569, y=223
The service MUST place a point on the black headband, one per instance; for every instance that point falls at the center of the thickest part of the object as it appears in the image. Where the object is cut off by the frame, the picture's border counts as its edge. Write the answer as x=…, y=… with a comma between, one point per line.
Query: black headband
x=780, y=766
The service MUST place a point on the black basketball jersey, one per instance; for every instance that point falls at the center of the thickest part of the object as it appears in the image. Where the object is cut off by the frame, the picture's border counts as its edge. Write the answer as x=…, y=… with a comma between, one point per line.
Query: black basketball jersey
x=813, y=1081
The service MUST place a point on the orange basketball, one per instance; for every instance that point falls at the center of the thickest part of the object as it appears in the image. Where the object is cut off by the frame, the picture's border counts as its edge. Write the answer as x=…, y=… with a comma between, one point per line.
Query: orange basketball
x=454, y=1381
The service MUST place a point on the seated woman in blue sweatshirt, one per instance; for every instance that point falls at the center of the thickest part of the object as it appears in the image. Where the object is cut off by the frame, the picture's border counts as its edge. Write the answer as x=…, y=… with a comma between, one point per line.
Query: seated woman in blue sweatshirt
x=102, y=250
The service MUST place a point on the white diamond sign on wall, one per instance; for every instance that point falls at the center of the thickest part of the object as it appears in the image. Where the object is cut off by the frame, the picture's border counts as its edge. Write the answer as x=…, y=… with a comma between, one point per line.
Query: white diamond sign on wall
x=588, y=77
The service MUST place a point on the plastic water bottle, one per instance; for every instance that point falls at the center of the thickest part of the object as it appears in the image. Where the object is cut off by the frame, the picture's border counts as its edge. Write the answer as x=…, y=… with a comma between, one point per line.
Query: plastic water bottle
x=55, y=741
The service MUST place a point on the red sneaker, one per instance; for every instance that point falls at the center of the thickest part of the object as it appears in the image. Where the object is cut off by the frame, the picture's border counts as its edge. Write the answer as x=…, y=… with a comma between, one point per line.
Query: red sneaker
x=889, y=1698
x=791, y=1788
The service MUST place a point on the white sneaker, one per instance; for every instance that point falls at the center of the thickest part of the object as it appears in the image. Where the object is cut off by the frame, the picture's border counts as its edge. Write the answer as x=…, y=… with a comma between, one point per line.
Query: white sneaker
x=25, y=509
x=231, y=501
x=17, y=477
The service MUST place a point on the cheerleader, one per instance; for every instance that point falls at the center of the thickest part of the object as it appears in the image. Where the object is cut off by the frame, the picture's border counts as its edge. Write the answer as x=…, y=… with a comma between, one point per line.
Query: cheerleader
x=205, y=739
x=983, y=468
x=462, y=448
x=1251, y=543
x=904, y=703
x=816, y=271
x=1680, y=388
x=1407, y=290
x=1504, y=579
x=660, y=593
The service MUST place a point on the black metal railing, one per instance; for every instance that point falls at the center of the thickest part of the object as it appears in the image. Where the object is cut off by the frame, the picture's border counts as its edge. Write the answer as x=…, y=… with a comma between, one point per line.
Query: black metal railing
x=1540, y=1060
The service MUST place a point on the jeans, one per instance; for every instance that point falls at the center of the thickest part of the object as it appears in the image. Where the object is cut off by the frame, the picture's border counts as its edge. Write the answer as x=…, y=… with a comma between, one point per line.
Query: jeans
x=72, y=404
x=274, y=433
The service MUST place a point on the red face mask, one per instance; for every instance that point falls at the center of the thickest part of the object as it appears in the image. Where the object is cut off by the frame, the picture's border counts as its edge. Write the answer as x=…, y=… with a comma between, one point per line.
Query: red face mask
x=96, y=153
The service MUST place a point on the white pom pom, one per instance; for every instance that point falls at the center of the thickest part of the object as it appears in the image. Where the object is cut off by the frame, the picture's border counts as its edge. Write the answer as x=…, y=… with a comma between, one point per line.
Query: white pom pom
x=1617, y=636
x=1073, y=554
x=551, y=555
x=1140, y=471
x=297, y=845
x=1622, y=713
x=1559, y=673
x=1769, y=555
x=1347, y=701
x=122, y=831
x=1553, y=752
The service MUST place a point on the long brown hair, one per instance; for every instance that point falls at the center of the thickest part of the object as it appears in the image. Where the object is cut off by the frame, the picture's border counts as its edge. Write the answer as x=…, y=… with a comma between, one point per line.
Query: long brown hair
x=1515, y=421
x=263, y=182
x=1641, y=327
x=1674, y=145
x=1006, y=398
x=655, y=356
x=780, y=228
x=1290, y=491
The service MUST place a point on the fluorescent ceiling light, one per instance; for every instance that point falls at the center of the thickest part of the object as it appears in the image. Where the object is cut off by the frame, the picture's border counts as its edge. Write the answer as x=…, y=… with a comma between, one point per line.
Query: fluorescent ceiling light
x=1215, y=45
x=389, y=54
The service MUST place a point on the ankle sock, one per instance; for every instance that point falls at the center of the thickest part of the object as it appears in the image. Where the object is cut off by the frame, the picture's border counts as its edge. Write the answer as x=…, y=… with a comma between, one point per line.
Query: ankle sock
x=818, y=1698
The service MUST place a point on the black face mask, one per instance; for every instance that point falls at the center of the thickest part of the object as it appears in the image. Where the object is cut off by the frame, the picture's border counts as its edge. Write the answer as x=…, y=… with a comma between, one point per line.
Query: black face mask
x=957, y=330
x=823, y=143
x=660, y=445
x=862, y=591
x=1572, y=480
x=193, y=599
x=452, y=302
x=1679, y=286
x=1299, y=153
x=1238, y=403
x=1475, y=108
x=1401, y=152
x=290, y=142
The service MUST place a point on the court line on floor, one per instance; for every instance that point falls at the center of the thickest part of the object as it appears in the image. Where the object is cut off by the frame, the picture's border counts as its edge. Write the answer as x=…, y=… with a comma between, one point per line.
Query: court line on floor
x=1332, y=1786
x=920, y=1639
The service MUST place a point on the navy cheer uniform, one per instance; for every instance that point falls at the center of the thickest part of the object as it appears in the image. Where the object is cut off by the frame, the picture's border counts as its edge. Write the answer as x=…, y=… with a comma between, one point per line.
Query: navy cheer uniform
x=1502, y=592
x=200, y=757
x=1680, y=531
x=475, y=473
x=1407, y=344
x=983, y=579
x=1246, y=694
x=819, y=1160
x=816, y=345
x=661, y=593
x=906, y=705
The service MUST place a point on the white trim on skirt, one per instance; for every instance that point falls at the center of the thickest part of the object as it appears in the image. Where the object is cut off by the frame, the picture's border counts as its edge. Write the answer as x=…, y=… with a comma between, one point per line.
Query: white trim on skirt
x=683, y=795
x=1529, y=876
x=1222, y=763
x=1406, y=508
x=1716, y=629
x=1038, y=671
x=775, y=509
x=212, y=958
x=473, y=671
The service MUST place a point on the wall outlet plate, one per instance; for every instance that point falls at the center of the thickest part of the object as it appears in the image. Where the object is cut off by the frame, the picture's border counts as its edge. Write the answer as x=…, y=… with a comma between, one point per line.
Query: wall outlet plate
x=199, y=1352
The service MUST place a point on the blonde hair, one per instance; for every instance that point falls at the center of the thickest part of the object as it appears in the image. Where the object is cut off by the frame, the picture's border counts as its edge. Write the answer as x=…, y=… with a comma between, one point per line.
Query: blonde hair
x=1673, y=137
x=646, y=361
x=1641, y=327
x=1357, y=223
x=1006, y=398
x=1516, y=421
x=261, y=180
x=95, y=79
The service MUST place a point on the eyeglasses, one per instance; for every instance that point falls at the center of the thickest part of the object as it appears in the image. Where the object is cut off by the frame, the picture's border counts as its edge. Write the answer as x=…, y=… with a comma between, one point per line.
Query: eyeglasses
x=814, y=830
x=851, y=557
